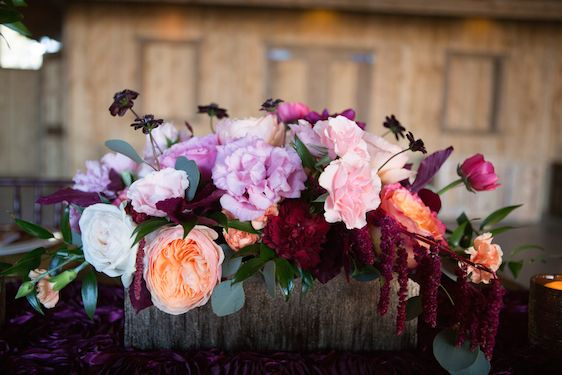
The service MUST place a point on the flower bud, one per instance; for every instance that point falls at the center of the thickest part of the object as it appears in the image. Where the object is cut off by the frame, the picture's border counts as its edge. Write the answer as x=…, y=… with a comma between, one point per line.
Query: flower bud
x=478, y=174
x=25, y=288
x=63, y=279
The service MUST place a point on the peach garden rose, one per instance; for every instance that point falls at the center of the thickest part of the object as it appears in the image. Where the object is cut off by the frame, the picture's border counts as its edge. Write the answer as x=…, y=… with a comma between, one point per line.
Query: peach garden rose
x=182, y=273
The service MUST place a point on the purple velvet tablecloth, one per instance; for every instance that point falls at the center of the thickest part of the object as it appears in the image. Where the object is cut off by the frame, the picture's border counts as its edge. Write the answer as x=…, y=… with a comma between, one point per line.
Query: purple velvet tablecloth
x=66, y=341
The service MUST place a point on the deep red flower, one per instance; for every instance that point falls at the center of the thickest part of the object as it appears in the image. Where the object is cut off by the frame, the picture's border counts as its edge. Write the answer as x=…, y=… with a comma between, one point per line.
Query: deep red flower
x=296, y=234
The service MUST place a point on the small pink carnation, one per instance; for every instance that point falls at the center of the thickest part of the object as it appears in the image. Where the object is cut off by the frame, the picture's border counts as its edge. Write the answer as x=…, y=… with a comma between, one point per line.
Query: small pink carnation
x=486, y=253
x=202, y=150
x=256, y=175
x=340, y=135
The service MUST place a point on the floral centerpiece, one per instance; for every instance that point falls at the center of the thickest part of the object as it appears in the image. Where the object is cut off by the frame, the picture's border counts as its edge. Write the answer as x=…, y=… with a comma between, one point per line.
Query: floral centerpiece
x=294, y=194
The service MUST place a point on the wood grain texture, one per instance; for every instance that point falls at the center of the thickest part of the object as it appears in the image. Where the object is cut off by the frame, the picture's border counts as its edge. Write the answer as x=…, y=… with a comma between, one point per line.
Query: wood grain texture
x=2, y=303
x=337, y=315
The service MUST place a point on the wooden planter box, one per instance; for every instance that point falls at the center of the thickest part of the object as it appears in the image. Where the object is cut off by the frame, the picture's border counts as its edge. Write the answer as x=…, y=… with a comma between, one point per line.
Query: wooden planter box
x=337, y=315
x=2, y=303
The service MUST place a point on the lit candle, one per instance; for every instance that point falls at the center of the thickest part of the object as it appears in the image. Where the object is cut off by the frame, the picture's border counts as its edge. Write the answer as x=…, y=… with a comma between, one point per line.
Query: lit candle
x=554, y=285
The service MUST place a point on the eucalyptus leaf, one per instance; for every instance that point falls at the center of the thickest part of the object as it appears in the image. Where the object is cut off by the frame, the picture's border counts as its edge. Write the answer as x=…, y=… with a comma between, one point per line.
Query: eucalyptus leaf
x=451, y=357
x=124, y=148
x=34, y=229
x=90, y=293
x=269, y=277
x=497, y=216
x=230, y=266
x=414, y=307
x=193, y=175
x=480, y=367
x=227, y=298
x=366, y=273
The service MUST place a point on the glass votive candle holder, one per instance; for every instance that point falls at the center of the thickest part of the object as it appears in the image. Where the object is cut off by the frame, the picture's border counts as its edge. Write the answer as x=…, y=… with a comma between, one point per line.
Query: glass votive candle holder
x=545, y=313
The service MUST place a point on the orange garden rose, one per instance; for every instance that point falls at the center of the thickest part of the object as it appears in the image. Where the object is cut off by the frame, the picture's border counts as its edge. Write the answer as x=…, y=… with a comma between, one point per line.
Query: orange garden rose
x=45, y=293
x=486, y=253
x=182, y=273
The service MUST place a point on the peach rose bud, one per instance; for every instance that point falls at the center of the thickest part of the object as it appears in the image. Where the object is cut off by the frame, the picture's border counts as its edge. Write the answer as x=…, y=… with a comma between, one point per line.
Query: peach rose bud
x=45, y=293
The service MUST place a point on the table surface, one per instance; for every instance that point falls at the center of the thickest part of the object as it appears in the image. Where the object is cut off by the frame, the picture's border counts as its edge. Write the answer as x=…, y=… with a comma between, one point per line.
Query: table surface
x=66, y=341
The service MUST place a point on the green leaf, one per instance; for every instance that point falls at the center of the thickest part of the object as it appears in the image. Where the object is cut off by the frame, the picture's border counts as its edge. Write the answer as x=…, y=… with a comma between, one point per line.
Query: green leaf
x=524, y=248
x=266, y=252
x=127, y=178
x=34, y=229
x=8, y=16
x=4, y=266
x=497, y=216
x=480, y=367
x=124, y=148
x=244, y=226
x=188, y=226
x=65, y=225
x=284, y=273
x=34, y=302
x=414, y=307
x=227, y=298
x=230, y=266
x=307, y=281
x=321, y=199
x=147, y=227
x=324, y=161
x=63, y=279
x=19, y=27
x=248, y=269
x=26, y=263
x=451, y=357
x=269, y=277
x=220, y=218
x=499, y=230
x=25, y=288
x=55, y=262
x=90, y=293
x=365, y=273
x=456, y=236
x=248, y=250
x=19, y=3
x=193, y=175
x=515, y=267
x=305, y=155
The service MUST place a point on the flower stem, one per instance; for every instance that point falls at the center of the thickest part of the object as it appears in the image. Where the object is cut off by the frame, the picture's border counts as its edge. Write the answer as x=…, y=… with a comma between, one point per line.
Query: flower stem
x=154, y=148
x=47, y=273
x=392, y=157
x=385, y=133
x=450, y=186
x=211, y=124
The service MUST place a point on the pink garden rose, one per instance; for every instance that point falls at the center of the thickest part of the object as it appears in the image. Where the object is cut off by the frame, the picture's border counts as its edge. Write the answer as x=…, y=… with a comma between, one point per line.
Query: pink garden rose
x=478, y=174
x=182, y=273
x=308, y=136
x=256, y=175
x=292, y=111
x=486, y=253
x=202, y=150
x=340, y=135
x=164, y=136
x=155, y=187
x=266, y=128
x=45, y=293
x=380, y=150
x=353, y=189
x=118, y=162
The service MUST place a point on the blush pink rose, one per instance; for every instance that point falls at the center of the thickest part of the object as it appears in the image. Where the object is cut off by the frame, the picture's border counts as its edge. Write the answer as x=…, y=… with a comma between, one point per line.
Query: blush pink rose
x=380, y=151
x=45, y=293
x=340, y=135
x=182, y=273
x=155, y=187
x=486, y=253
x=292, y=111
x=353, y=189
x=266, y=128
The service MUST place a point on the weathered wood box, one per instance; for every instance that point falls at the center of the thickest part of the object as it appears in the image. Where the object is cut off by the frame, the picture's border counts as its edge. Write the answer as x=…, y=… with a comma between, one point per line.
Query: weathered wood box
x=2, y=302
x=337, y=315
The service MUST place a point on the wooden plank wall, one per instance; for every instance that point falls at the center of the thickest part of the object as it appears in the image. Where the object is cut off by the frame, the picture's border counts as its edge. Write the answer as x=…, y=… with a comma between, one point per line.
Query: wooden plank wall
x=508, y=71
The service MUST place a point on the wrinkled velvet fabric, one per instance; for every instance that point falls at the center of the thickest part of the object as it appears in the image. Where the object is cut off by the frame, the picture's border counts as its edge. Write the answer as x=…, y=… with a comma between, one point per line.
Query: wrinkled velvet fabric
x=66, y=341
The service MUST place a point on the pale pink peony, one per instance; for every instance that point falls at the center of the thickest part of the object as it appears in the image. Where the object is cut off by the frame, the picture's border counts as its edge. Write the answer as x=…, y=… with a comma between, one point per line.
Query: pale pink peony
x=94, y=180
x=308, y=136
x=118, y=162
x=45, y=293
x=353, y=189
x=155, y=187
x=164, y=136
x=256, y=175
x=182, y=273
x=266, y=128
x=380, y=150
x=202, y=150
x=340, y=135
x=486, y=253
x=292, y=111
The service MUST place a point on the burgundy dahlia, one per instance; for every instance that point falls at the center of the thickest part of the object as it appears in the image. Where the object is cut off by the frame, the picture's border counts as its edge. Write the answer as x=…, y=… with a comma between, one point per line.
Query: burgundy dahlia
x=296, y=234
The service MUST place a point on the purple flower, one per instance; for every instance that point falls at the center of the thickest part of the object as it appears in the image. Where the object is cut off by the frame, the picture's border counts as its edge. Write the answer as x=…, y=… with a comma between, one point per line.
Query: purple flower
x=122, y=101
x=478, y=174
x=213, y=110
x=202, y=150
x=95, y=179
x=256, y=175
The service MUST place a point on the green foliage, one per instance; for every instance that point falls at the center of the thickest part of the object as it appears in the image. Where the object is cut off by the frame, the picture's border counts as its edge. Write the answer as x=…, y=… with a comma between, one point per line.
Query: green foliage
x=414, y=307
x=458, y=233
x=26, y=263
x=307, y=159
x=457, y=360
x=220, y=218
x=65, y=225
x=249, y=268
x=244, y=226
x=193, y=175
x=188, y=226
x=34, y=229
x=63, y=279
x=34, y=302
x=497, y=216
x=90, y=293
x=307, y=281
x=285, y=274
x=515, y=267
x=25, y=288
x=228, y=297
x=269, y=277
x=365, y=273
x=321, y=199
x=122, y=147
x=147, y=227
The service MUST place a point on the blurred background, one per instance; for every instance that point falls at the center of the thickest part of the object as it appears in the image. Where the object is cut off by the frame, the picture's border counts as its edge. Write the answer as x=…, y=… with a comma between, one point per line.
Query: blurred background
x=481, y=75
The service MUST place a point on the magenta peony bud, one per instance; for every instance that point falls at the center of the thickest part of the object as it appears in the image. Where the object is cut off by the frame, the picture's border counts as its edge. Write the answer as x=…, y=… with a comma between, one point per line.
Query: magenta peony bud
x=478, y=174
x=290, y=112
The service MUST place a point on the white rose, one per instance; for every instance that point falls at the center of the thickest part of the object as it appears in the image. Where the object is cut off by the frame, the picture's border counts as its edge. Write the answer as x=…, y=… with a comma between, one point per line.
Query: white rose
x=107, y=240
x=155, y=187
x=164, y=136
x=266, y=128
x=380, y=151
